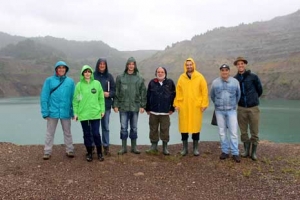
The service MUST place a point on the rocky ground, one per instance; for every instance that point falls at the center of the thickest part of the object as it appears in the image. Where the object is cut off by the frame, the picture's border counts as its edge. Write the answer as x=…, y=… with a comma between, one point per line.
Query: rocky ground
x=25, y=175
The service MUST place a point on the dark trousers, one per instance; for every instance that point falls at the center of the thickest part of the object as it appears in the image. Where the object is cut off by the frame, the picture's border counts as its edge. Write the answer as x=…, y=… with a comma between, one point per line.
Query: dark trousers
x=185, y=136
x=91, y=132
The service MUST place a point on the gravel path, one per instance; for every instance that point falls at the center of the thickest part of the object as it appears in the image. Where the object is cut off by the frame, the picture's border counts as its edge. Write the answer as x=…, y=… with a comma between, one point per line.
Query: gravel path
x=25, y=175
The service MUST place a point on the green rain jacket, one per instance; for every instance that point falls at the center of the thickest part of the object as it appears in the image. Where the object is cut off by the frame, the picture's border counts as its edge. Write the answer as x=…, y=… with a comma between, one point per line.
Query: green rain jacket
x=131, y=92
x=88, y=100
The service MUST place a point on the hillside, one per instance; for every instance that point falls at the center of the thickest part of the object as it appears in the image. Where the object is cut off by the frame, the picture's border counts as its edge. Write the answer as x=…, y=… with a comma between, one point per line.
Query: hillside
x=271, y=47
x=26, y=62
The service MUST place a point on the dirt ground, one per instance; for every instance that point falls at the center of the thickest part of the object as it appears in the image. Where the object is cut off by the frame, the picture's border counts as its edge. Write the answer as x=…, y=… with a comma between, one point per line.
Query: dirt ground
x=25, y=175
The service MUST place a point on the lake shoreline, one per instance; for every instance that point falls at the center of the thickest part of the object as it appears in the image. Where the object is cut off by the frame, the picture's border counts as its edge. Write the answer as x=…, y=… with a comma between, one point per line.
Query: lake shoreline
x=24, y=174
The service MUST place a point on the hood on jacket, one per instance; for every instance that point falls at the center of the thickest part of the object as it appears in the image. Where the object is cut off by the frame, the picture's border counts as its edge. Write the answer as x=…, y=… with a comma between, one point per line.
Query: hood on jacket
x=97, y=66
x=189, y=59
x=84, y=68
x=131, y=59
x=163, y=69
x=61, y=63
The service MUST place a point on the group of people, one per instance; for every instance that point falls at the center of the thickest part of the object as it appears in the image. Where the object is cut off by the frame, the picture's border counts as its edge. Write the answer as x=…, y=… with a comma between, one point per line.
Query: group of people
x=90, y=102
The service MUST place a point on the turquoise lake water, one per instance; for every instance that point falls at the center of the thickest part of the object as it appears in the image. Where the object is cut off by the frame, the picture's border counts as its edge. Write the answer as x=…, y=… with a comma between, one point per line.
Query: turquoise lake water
x=21, y=123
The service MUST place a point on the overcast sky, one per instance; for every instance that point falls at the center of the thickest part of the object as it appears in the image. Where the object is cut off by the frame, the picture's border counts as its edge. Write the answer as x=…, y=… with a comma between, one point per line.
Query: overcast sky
x=133, y=24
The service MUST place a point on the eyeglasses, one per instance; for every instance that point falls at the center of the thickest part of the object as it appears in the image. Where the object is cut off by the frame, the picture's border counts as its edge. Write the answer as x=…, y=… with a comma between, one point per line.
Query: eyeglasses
x=87, y=71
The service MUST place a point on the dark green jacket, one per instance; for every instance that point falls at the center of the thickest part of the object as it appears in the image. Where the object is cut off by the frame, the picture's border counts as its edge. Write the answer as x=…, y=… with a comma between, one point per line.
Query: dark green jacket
x=131, y=92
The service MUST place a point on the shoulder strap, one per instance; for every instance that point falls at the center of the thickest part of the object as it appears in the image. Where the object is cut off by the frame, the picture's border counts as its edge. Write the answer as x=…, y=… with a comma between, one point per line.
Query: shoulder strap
x=57, y=86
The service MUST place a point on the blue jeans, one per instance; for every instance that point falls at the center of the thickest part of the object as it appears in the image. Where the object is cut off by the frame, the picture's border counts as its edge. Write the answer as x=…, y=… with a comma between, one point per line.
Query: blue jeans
x=91, y=132
x=105, y=128
x=227, y=120
x=125, y=118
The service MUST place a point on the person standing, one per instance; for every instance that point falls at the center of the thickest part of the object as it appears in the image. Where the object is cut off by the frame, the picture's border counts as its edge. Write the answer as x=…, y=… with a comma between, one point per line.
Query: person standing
x=130, y=99
x=225, y=94
x=56, y=104
x=248, y=111
x=109, y=87
x=191, y=101
x=160, y=97
x=89, y=108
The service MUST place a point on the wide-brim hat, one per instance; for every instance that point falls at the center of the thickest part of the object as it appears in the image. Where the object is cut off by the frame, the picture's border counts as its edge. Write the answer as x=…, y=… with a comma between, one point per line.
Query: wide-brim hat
x=240, y=59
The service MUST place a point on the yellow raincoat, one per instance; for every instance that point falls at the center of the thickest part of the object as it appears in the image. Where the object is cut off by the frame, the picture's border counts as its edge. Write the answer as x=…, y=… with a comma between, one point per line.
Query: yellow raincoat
x=191, y=96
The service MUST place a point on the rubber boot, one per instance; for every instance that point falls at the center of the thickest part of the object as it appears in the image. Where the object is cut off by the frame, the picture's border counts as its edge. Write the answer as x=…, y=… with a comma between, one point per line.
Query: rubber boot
x=124, y=147
x=253, y=152
x=153, y=148
x=245, y=154
x=106, y=151
x=195, y=147
x=133, y=147
x=89, y=155
x=185, y=148
x=165, y=149
x=99, y=153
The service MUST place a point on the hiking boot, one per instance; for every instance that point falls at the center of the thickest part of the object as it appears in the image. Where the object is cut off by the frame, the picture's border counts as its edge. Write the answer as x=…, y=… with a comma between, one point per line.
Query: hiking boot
x=99, y=153
x=46, y=156
x=106, y=151
x=223, y=156
x=236, y=158
x=70, y=154
x=100, y=157
x=89, y=157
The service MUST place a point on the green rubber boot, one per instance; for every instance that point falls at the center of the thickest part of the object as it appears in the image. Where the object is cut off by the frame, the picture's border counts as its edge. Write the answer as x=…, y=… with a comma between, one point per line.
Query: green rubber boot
x=195, y=147
x=185, y=148
x=165, y=149
x=245, y=154
x=153, y=148
x=133, y=147
x=124, y=147
x=253, y=153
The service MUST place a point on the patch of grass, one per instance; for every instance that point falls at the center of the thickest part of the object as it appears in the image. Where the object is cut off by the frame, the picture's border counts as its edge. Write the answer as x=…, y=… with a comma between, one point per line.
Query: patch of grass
x=271, y=169
x=266, y=161
x=152, y=152
x=278, y=158
x=247, y=173
x=173, y=158
x=294, y=161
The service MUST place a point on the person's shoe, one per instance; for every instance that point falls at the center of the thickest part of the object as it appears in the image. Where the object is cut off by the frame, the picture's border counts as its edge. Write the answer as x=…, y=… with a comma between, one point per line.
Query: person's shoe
x=124, y=147
x=246, y=153
x=236, y=158
x=253, y=152
x=223, y=156
x=153, y=148
x=184, y=148
x=70, y=154
x=106, y=151
x=89, y=157
x=165, y=149
x=133, y=147
x=46, y=156
x=195, y=147
x=100, y=157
